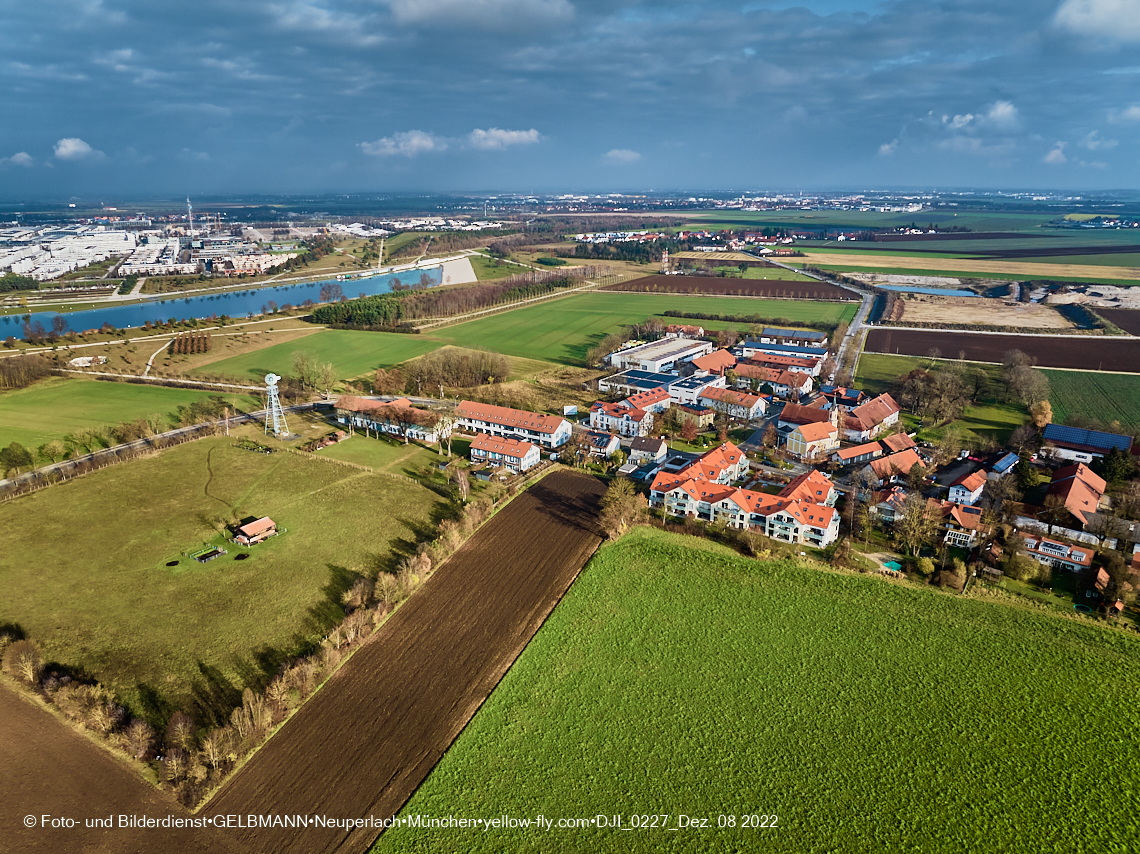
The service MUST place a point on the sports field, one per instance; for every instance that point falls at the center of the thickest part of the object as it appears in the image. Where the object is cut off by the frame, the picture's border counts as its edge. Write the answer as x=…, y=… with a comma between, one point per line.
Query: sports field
x=676, y=678
x=351, y=352
x=562, y=330
x=1106, y=397
x=84, y=568
x=55, y=407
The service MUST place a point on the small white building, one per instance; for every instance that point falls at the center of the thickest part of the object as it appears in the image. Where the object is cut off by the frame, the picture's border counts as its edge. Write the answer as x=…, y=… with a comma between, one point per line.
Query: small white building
x=968, y=488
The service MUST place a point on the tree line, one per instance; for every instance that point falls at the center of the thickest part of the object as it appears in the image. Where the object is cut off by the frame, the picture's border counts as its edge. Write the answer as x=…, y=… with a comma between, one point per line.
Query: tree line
x=22, y=371
x=390, y=311
x=456, y=369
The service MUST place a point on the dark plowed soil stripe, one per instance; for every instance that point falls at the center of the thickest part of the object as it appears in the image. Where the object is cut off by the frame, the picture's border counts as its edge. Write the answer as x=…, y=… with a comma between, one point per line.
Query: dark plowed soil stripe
x=366, y=740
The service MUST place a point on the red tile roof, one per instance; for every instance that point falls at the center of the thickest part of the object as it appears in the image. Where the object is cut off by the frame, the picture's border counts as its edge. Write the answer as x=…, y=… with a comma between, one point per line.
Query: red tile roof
x=715, y=362
x=514, y=448
x=260, y=526
x=507, y=417
x=971, y=482
x=795, y=414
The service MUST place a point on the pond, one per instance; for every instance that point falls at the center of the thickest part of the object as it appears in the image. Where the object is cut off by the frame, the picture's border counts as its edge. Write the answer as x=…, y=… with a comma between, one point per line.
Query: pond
x=938, y=292
x=235, y=304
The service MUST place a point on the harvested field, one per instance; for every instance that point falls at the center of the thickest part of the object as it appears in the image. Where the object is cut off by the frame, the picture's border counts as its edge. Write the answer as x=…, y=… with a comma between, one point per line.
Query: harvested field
x=52, y=770
x=366, y=740
x=769, y=289
x=1127, y=319
x=925, y=308
x=1027, y=269
x=1083, y=353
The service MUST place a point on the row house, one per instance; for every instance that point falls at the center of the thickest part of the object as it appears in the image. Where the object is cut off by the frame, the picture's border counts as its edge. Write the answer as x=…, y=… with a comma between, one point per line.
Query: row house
x=783, y=383
x=735, y=404
x=512, y=454
x=395, y=418
x=1059, y=555
x=788, y=520
x=547, y=431
x=615, y=418
x=799, y=364
x=793, y=337
x=655, y=400
x=722, y=465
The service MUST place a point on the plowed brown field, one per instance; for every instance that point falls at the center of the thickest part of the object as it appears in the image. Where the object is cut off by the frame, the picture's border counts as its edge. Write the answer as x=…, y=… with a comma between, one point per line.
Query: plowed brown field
x=50, y=770
x=735, y=287
x=366, y=740
x=1061, y=351
x=1127, y=319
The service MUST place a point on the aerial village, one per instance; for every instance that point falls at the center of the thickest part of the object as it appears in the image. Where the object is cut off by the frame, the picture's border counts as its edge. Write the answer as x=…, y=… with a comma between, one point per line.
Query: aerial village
x=813, y=461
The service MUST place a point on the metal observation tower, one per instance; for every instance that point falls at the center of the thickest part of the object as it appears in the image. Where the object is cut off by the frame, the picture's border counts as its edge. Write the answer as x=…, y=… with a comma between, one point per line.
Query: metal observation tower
x=274, y=414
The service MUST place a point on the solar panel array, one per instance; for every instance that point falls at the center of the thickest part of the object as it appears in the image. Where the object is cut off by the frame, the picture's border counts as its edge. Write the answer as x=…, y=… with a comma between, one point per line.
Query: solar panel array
x=1088, y=438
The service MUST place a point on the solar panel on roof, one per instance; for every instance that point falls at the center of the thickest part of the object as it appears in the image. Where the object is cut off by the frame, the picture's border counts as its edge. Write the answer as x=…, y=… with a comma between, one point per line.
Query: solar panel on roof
x=1091, y=438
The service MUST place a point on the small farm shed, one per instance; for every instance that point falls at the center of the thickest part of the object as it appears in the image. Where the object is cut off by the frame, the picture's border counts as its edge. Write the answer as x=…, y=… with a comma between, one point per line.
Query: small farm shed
x=255, y=532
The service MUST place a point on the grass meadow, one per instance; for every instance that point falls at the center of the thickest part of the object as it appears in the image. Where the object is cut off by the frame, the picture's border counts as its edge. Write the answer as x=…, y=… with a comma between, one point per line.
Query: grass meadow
x=562, y=330
x=991, y=417
x=677, y=677
x=52, y=408
x=84, y=565
x=353, y=353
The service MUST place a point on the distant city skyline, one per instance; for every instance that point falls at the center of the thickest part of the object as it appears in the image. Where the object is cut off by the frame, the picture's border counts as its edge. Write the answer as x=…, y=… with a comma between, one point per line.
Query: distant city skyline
x=127, y=98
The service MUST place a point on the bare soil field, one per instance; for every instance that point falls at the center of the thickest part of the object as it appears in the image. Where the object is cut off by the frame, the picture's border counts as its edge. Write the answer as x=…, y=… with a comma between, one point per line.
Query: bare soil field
x=925, y=308
x=735, y=287
x=1027, y=269
x=366, y=740
x=1127, y=319
x=51, y=770
x=1068, y=351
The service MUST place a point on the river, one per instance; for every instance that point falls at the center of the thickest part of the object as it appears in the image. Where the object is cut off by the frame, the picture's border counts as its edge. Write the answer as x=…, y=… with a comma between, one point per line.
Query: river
x=235, y=304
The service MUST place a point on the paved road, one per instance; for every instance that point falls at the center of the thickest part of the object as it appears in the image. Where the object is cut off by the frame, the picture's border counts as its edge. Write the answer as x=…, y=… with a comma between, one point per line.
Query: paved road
x=855, y=330
x=66, y=466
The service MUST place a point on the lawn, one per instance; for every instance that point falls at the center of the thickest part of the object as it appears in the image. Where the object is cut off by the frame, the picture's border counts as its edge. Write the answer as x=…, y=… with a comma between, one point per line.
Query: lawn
x=562, y=330
x=877, y=373
x=679, y=678
x=1108, y=397
x=84, y=565
x=387, y=455
x=491, y=268
x=55, y=407
x=352, y=352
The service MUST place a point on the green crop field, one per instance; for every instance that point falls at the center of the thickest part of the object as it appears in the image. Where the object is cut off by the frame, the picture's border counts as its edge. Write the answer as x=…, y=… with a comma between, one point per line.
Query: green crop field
x=1091, y=278
x=55, y=407
x=562, y=330
x=351, y=352
x=1108, y=397
x=991, y=417
x=777, y=273
x=676, y=678
x=489, y=268
x=84, y=564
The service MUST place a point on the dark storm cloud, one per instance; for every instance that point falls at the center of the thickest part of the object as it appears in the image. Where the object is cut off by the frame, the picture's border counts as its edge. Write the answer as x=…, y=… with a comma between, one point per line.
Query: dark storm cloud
x=536, y=94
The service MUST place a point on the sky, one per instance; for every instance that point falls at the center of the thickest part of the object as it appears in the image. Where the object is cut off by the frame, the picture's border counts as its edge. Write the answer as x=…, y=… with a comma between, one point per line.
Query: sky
x=133, y=97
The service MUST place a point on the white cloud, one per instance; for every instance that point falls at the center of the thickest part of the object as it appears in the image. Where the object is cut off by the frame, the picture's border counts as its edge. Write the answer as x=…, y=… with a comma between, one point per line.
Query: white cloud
x=889, y=148
x=484, y=14
x=1057, y=155
x=1003, y=114
x=408, y=143
x=622, y=155
x=958, y=122
x=1094, y=142
x=1128, y=115
x=73, y=148
x=497, y=138
x=1115, y=20
x=20, y=158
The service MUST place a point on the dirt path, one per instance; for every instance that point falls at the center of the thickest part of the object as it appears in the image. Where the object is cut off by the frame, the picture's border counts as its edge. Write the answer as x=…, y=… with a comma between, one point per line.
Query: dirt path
x=365, y=741
x=50, y=770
